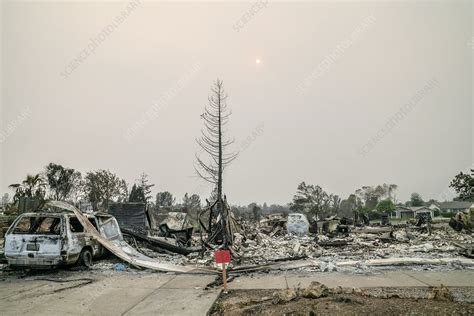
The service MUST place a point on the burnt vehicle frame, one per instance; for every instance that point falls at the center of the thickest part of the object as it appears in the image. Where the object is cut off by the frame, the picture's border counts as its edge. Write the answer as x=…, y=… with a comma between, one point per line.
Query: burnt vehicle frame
x=46, y=239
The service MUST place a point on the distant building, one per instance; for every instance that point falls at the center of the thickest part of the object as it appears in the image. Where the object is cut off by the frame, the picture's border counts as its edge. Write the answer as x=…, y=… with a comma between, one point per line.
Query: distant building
x=411, y=211
x=455, y=206
x=434, y=206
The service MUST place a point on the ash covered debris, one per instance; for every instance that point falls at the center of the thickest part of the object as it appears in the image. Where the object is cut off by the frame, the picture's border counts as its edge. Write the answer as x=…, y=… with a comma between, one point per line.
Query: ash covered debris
x=343, y=245
x=463, y=221
x=332, y=244
x=218, y=225
x=273, y=224
x=163, y=232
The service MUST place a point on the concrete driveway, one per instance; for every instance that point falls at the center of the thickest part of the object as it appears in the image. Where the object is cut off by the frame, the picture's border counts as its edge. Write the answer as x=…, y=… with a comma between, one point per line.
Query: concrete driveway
x=127, y=294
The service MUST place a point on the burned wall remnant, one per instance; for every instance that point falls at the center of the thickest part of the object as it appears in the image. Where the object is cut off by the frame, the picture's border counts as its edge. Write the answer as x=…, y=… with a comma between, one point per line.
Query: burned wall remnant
x=29, y=204
x=130, y=214
x=166, y=231
x=174, y=220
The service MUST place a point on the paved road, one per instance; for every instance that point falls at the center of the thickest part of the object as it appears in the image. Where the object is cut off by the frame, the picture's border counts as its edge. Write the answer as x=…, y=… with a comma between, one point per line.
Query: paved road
x=166, y=294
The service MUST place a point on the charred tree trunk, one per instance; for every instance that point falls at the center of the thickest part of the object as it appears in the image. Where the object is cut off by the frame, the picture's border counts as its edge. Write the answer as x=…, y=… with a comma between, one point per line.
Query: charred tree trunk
x=214, y=144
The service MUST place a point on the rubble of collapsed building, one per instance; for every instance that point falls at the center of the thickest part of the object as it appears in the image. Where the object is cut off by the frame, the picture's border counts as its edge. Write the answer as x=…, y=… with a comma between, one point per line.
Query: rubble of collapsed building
x=163, y=232
x=166, y=240
x=217, y=225
x=338, y=240
x=335, y=243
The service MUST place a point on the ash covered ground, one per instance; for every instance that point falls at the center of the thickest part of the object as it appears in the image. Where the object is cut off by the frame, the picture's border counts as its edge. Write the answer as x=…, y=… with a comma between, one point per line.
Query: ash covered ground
x=363, y=249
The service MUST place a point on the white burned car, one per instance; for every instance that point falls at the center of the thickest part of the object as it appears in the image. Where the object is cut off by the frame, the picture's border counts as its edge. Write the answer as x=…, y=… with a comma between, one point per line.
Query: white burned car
x=46, y=239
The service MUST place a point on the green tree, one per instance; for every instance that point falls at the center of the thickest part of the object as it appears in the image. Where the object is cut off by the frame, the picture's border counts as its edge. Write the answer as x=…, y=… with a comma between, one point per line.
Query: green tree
x=256, y=211
x=5, y=199
x=335, y=203
x=463, y=184
x=192, y=205
x=141, y=190
x=102, y=187
x=385, y=206
x=195, y=202
x=351, y=204
x=416, y=200
x=302, y=200
x=62, y=181
x=32, y=186
x=164, y=199
x=137, y=194
x=309, y=199
x=145, y=187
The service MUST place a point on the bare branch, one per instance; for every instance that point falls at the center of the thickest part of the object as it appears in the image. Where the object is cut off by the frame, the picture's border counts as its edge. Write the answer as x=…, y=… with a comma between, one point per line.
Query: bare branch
x=212, y=140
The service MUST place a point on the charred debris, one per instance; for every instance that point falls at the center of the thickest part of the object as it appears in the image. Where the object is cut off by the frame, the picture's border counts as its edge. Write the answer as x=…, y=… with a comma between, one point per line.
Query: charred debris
x=280, y=238
x=170, y=232
x=168, y=242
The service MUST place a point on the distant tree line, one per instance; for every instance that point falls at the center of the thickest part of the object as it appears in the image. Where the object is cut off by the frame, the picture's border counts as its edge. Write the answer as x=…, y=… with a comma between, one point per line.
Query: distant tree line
x=102, y=187
x=373, y=200
x=255, y=211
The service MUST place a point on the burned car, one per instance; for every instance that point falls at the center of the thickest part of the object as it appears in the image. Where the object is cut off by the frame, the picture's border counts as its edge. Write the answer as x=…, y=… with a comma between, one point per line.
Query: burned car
x=48, y=239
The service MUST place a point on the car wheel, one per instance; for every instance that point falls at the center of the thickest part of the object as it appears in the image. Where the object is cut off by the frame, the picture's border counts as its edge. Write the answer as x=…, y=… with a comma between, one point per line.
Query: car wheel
x=85, y=258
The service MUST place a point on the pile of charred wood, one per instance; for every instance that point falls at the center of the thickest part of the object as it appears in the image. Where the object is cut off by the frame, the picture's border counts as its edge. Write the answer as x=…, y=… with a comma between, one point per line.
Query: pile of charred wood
x=217, y=225
x=166, y=232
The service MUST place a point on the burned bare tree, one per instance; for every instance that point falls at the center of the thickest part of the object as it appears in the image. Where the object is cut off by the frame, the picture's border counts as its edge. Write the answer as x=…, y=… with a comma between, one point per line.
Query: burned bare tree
x=214, y=146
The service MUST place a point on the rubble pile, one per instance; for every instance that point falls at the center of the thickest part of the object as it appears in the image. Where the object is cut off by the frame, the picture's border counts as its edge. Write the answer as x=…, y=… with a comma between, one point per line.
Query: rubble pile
x=331, y=244
x=264, y=248
x=274, y=224
x=397, y=244
x=409, y=242
x=260, y=246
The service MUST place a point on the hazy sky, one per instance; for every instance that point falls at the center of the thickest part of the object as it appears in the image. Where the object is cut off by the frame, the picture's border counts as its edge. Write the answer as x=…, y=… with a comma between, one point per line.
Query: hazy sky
x=346, y=94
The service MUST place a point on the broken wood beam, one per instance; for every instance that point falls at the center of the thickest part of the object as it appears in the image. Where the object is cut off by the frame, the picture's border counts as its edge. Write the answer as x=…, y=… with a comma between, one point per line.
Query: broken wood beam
x=373, y=230
x=334, y=243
